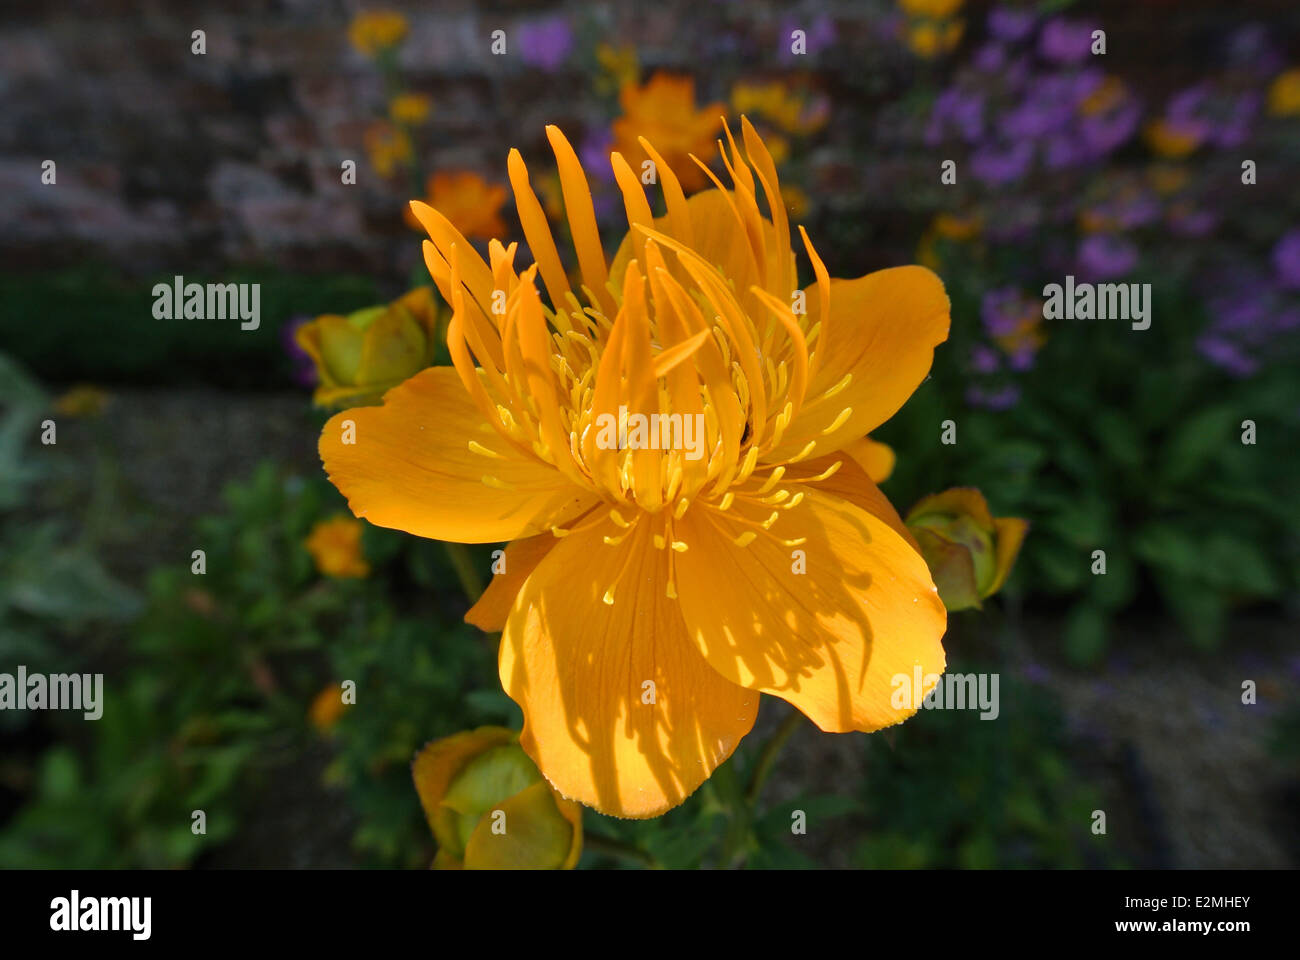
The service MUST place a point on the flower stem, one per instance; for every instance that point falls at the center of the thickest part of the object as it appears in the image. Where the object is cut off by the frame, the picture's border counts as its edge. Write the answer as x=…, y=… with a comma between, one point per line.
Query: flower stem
x=463, y=564
x=772, y=750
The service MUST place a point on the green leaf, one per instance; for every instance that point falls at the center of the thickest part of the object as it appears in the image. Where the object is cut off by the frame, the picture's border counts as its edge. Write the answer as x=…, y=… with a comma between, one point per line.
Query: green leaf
x=1085, y=633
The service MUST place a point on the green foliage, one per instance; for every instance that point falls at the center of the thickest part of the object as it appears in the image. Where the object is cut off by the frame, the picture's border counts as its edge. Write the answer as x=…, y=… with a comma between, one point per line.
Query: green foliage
x=1126, y=442
x=209, y=704
x=104, y=328
x=955, y=791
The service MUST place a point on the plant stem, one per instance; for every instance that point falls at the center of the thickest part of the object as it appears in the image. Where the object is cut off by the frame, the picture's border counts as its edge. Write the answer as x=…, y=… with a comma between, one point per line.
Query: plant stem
x=470, y=581
x=771, y=750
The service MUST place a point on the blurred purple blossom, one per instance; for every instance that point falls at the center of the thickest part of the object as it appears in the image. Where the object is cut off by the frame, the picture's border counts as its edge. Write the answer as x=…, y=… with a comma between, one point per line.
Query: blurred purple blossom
x=594, y=151
x=984, y=359
x=958, y=109
x=545, y=43
x=1011, y=23
x=819, y=35
x=303, y=368
x=1065, y=41
x=1105, y=256
x=998, y=398
x=1286, y=260
x=1000, y=164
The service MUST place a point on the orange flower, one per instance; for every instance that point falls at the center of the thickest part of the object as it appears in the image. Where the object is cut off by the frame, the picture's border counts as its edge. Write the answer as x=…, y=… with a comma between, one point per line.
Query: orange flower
x=1167, y=140
x=326, y=708
x=471, y=203
x=652, y=590
x=663, y=112
x=1284, y=94
x=335, y=546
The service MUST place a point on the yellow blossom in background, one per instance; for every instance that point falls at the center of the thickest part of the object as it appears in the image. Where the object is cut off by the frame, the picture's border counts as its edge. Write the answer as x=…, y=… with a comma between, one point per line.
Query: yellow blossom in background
x=930, y=39
x=663, y=112
x=335, y=546
x=369, y=351
x=621, y=577
x=946, y=226
x=1110, y=93
x=619, y=68
x=931, y=9
x=471, y=203
x=83, y=400
x=389, y=148
x=326, y=708
x=970, y=552
x=953, y=227
x=1284, y=94
x=411, y=109
x=1166, y=140
x=374, y=31
x=791, y=111
x=490, y=809
x=1167, y=178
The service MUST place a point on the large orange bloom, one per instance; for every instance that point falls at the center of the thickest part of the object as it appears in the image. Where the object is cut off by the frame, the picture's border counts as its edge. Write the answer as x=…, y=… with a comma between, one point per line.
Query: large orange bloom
x=649, y=597
x=663, y=112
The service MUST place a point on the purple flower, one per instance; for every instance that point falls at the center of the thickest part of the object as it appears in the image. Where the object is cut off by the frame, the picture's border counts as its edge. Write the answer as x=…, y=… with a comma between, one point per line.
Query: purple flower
x=818, y=36
x=958, y=109
x=1252, y=48
x=1010, y=24
x=303, y=367
x=990, y=58
x=1065, y=41
x=1191, y=222
x=1286, y=260
x=1003, y=398
x=997, y=165
x=1102, y=133
x=1105, y=256
x=594, y=151
x=545, y=43
x=1227, y=355
x=984, y=359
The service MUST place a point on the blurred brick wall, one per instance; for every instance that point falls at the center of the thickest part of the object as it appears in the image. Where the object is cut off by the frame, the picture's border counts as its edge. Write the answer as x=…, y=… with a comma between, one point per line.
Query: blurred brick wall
x=168, y=160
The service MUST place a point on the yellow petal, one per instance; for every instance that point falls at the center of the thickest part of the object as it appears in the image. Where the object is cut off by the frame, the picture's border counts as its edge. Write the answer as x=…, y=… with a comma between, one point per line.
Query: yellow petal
x=877, y=459
x=881, y=332
x=536, y=835
x=411, y=468
x=851, y=482
x=830, y=640
x=1009, y=535
x=956, y=502
x=521, y=559
x=620, y=711
x=436, y=765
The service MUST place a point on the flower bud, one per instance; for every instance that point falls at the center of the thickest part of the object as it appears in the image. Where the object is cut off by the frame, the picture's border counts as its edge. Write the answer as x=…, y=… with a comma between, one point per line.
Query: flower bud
x=969, y=551
x=360, y=356
x=490, y=808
